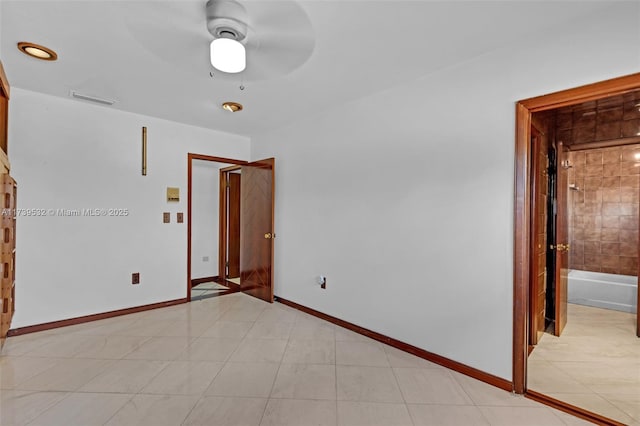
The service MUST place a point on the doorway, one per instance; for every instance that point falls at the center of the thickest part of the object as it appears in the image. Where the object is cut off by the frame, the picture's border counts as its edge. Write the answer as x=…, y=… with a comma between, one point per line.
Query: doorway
x=253, y=250
x=527, y=209
x=229, y=227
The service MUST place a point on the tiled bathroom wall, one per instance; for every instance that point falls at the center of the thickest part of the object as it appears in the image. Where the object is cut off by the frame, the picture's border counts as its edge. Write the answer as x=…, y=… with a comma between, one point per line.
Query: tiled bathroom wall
x=603, y=216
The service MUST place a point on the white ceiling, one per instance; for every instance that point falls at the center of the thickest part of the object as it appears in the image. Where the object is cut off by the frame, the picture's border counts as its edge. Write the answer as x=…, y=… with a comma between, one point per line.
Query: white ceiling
x=107, y=48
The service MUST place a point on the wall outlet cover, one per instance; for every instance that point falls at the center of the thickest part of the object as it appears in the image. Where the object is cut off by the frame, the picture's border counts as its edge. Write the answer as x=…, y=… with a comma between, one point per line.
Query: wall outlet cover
x=135, y=278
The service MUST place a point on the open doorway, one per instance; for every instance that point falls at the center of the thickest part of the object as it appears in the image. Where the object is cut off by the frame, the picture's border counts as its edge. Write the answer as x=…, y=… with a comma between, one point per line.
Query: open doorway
x=243, y=238
x=229, y=230
x=548, y=150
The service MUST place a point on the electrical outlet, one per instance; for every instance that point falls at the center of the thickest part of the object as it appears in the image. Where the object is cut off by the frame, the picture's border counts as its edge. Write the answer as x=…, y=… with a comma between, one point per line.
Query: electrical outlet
x=166, y=217
x=135, y=278
x=180, y=217
x=322, y=280
x=205, y=258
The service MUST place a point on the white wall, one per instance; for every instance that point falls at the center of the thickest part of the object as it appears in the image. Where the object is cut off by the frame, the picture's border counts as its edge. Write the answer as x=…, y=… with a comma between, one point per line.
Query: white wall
x=205, y=177
x=73, y=155
x=404, y=199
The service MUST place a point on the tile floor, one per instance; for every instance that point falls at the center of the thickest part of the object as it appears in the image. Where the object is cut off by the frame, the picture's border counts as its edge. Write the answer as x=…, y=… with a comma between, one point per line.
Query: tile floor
x=207, y=290
x=235, y=360
x=594, y=364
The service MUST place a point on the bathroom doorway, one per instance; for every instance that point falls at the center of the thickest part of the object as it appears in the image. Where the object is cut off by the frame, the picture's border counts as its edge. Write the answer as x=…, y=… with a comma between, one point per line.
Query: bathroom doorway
x=593, y=114
x=229, y=226
x=257, y=234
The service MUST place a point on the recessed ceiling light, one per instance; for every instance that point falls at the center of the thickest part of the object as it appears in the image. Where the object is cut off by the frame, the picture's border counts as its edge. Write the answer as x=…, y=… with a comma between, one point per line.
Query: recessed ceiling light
x=232, y=106
x=37, y=51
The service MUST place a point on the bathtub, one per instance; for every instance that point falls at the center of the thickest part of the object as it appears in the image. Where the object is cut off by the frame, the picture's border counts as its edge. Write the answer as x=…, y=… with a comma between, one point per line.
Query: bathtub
x=608, y=291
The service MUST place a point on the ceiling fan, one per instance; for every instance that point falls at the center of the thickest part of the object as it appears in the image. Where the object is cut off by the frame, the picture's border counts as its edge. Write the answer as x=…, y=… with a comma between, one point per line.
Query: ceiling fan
x=276, y=37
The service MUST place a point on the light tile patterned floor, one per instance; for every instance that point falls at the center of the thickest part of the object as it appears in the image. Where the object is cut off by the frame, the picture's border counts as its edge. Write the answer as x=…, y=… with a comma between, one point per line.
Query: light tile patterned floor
x=207, y=290
x=594, y=364
x=235, y=360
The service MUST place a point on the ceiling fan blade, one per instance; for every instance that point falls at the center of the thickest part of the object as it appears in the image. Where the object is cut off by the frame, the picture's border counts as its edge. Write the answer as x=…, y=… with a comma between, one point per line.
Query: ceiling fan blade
x=280, y=39
x=173, y=31
x=278, y=17
x=279, y=59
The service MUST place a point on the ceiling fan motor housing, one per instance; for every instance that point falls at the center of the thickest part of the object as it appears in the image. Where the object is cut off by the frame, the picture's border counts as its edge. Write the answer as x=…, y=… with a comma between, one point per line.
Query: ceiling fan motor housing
x=227, y=19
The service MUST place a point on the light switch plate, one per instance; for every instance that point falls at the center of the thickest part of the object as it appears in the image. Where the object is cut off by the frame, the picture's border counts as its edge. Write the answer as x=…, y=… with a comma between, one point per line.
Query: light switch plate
x=180, y=217
x=166, y=217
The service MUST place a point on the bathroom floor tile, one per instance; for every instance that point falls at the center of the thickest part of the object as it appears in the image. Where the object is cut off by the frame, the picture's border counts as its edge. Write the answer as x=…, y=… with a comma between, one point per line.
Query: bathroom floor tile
x=184, y=378
x=210, y=349
x=294, y=412
x=305, y=381
x=245, y=379
x=260, y=351
x=20, y=407
x=86, y=409
x=446, y=415
x=160, y=348
x=372, y=414
x=16, y=369
x=361, y=353
x=367, y=384
x=157, y=410
x=430, y=386
x=310, y=352
x=520, y=416
x=124, y=376
x=226, y=411
x=66, y=375
x=228, y=329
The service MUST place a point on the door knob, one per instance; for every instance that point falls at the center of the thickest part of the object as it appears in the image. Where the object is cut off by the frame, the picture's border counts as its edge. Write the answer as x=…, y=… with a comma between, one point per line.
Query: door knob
x=268, y=235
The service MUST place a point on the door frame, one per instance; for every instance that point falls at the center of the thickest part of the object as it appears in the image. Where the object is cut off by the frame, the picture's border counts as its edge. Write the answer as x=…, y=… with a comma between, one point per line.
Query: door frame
x=190, y=158
x=522, y=210
x=223, y=237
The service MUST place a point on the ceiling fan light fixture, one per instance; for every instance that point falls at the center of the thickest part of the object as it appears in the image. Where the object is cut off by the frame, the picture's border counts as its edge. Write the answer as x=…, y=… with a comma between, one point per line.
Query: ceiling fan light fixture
x=232, y=106
x=228, y=55
x=37, y=51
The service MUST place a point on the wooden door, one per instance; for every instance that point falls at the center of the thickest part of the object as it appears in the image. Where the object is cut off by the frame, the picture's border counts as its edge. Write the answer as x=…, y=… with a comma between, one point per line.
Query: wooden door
x=562, y=238
x=256, y=229
x=233, y=233
x=539, y=193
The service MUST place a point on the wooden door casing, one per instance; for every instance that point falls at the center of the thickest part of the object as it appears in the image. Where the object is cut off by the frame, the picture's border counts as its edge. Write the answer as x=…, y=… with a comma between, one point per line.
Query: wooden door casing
x=524, y=110
x=233, y=222
x=562, y=239
x=257, y=229
x=539, y=193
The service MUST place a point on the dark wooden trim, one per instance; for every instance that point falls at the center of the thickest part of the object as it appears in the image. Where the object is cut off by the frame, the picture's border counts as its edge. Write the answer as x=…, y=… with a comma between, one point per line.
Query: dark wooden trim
x=230, y=168
x=93, y=317
x=189, y=204
x=429, y=356
x=522, y=208
x=190, y=157
x=222, y=224
x=196, y=281
x=604, y=144
x=521, y=248
x=4, y=82
x=215, y=159
x=589, y=92
x=572, y=409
